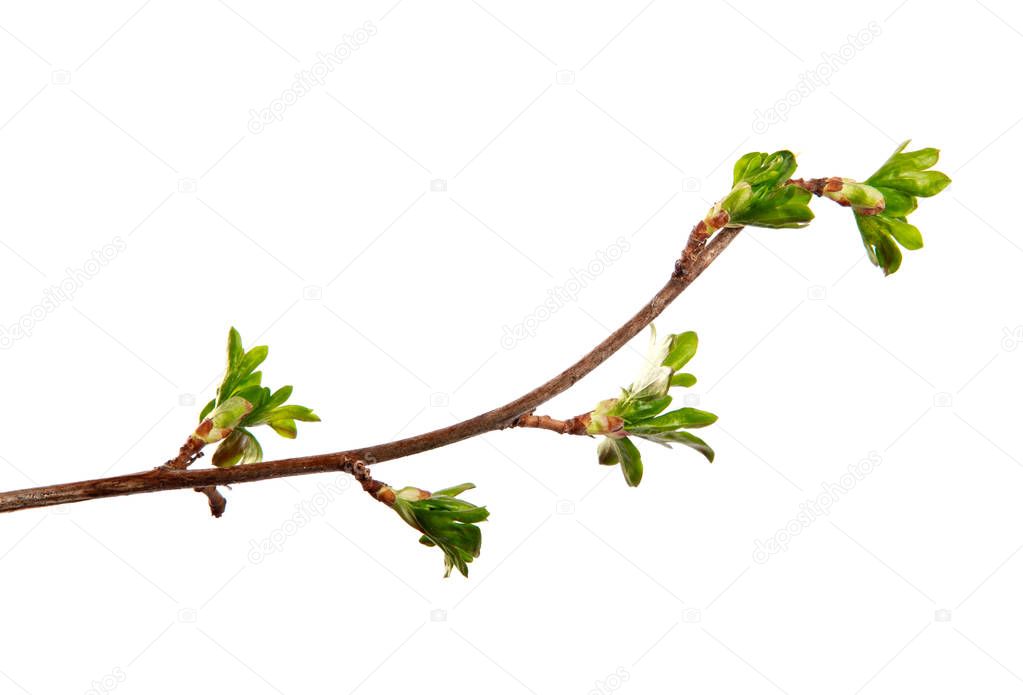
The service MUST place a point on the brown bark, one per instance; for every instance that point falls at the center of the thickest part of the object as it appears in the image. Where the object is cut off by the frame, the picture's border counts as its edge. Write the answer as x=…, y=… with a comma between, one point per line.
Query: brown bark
x=575, y=425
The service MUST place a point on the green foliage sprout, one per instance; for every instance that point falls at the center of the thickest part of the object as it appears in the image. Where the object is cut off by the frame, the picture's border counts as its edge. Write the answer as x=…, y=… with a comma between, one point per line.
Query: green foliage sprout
x=639, y=411
x=242, y=402
x=902, y=179
x=445, y=521
x=760, y=195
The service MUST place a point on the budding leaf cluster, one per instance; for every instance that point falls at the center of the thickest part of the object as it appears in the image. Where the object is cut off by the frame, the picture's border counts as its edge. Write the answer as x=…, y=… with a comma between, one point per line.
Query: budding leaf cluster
x=242, y=402
x=445, y=521
x=761, y=196
x=902, y=179
x=639, y=411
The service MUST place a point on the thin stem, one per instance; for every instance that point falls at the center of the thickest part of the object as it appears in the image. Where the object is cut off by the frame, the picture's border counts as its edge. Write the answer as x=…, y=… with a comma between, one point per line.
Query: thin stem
x=574, y=425
x=817, y=186
x=693, y=262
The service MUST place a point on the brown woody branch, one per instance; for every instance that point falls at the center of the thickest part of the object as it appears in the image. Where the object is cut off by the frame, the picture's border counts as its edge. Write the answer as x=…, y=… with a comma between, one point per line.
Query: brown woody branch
x=574, y=425
x=698, y=254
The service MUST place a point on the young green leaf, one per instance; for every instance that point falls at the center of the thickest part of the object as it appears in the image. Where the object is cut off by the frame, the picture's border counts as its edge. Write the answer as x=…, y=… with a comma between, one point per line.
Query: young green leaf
x=877, y=239
x=688, y=418
x=760, y=169
x=897, y=203
x=279, y=397
x=207, y=409
x=622, y=452
x=239, y=447
x=681, y=437
x=787, y=207
x=286, y=428
x=253, y=358
x=681, y=349
x=641, y=409
x=683, y=379
x=235, y=352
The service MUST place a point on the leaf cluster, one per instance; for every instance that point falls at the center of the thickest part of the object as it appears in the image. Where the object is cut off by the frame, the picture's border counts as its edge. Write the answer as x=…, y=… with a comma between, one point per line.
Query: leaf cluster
x=242, y=402
x=445, y=521
x=902, y=179
x=640, y=410
x=768, y=201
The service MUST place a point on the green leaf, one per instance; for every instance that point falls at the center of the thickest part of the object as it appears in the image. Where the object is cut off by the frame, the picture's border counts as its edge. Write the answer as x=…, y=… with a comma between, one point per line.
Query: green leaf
x=631, y=461
x=293, y=412
x=784, y=208
x=279, y=397
x=252, y=359
x=238, y=448
x=919, y=159
x=762, y=169
x=736, y=200
x=881, y=249
x=235, y=352
x=253, y=379
x=455, y=490
x=252, y=394
x=681, y=349
x=905, y=233
x=688, y=418
x=897, y=203
x=621, y=452
x=919, y=183
x=607, y=453
x=681, y=437
x=633, y=410
x=207, y=409
x=901, y=161
x=286, y=428
x=230, y=451
x=746, y=166
x=683, y=379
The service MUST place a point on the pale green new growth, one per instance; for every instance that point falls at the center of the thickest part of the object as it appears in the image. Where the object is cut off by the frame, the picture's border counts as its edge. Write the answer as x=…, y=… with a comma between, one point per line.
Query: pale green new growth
x=639, y=411
x=242, y=403
x=446, y=522
x=901, y=180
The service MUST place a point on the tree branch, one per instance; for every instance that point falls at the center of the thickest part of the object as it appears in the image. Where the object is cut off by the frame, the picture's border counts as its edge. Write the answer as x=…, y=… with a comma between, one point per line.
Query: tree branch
x=698, y=254
x=574, y=425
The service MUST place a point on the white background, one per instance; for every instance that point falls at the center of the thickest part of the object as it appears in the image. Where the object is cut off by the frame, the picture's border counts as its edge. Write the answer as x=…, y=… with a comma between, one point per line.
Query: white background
x=385, y=303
